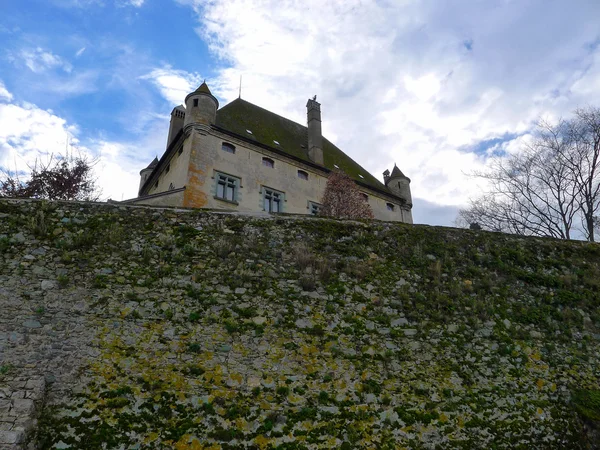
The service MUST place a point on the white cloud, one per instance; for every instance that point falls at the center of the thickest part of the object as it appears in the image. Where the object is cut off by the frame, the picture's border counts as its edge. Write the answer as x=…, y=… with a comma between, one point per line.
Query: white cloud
x=173, y=84
x=29, y=134
x=420, y=83
x=4, y=94
x=80, y=52
x=39, y=60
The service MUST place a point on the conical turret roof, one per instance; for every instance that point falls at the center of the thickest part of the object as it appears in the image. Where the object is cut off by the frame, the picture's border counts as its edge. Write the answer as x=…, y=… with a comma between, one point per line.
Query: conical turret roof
x=153, y=164
x=203, y=89
x=397, y=173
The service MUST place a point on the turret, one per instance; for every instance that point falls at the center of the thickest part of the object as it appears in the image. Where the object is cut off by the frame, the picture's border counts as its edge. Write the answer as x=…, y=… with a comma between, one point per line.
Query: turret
x=399, y=184
x=145, y=173
x=176, y=125
x=200, y=107
x=315, y=138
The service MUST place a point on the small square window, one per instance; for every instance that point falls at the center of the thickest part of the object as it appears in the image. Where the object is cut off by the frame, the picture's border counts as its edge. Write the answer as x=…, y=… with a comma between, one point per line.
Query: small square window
x=272, y=200
x=390, y=206
x=364, y=196
x=227, y=187
x=227, y=147
x=196, y=102
x=268, y=162
x=314, y=208
x=303, y=175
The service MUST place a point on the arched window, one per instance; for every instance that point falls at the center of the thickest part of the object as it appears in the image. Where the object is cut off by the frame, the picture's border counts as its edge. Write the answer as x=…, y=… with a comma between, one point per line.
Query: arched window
x=227, y=147
x=303, y=175
x=268, y=162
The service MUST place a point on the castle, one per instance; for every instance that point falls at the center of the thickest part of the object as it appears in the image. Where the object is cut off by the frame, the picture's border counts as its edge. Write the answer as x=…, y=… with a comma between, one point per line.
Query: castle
x=245, y=158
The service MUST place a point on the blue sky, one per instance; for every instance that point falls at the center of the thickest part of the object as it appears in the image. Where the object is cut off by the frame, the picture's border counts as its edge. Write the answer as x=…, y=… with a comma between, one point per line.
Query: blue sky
x=436, y=87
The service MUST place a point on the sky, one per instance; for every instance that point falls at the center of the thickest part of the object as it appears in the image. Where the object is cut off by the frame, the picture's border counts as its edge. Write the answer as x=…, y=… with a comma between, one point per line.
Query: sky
x=435, y=86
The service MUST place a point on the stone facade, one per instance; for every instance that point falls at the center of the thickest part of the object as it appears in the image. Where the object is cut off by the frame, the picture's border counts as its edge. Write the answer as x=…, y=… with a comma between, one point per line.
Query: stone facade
x=162, y=328
x=199, y=151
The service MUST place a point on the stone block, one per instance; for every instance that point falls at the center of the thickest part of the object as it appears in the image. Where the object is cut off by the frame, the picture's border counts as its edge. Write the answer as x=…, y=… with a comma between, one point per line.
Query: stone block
x=11, y=437
x=5, y=405
x=23, y=406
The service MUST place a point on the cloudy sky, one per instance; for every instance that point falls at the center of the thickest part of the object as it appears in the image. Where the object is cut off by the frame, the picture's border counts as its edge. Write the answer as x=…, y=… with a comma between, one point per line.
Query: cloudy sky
x=435, y=86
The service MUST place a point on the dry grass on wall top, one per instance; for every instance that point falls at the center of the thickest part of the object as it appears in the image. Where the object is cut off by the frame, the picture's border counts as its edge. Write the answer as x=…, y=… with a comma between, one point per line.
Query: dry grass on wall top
x=197, y=330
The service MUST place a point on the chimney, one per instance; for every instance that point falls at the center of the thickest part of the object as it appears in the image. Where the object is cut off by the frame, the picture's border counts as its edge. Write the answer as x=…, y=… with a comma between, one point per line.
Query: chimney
x=315, y=147
x=176, y=125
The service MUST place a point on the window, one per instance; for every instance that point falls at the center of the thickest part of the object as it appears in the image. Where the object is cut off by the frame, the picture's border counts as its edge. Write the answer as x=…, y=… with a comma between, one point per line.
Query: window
x=195, y=102
x=272, y=200
x=268, y=162
x=171, y=187
x=180, y=151
x=168, y=168
x=227, y=147
x=364, y=196
x=156, y=184
x=303, y=175
x=227, y=187
x=390, y=206
x=314, y=208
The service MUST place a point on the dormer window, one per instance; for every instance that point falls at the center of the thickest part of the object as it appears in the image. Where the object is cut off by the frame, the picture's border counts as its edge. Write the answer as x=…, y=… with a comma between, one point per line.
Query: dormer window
x=228, y=148
x=268, y=162
x=303, y=175
x=390, y=206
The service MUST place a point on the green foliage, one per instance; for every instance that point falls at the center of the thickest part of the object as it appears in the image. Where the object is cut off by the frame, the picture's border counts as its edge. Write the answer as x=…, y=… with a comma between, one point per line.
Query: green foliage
x=587, y=403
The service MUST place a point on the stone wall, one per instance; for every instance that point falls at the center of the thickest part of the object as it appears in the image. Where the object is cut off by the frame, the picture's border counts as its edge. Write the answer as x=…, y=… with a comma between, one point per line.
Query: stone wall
x=146, y=328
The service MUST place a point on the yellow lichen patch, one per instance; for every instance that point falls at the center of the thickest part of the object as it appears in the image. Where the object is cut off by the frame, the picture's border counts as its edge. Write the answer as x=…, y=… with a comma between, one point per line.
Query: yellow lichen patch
x=540, y=384
x=263, y=442
x=151, y=437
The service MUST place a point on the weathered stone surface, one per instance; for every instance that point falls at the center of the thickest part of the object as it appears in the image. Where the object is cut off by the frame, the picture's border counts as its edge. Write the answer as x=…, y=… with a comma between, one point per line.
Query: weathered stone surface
x=31, y=323
x=164, y=321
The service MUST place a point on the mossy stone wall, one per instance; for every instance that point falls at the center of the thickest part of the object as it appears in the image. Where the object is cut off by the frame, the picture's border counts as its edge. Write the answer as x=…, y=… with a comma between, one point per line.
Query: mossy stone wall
x=159, y=328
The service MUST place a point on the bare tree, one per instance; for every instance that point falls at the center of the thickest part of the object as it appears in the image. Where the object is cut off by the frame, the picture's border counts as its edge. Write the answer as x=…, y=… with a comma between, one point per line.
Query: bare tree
x=532, y=192
x=343, y=200
x=547, y=188
x=61, y=178
x=584, y=163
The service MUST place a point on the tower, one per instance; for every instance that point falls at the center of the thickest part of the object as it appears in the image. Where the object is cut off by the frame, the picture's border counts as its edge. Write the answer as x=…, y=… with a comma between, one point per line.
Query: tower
x=200, y=107
x=399, y=184
x=145, y=173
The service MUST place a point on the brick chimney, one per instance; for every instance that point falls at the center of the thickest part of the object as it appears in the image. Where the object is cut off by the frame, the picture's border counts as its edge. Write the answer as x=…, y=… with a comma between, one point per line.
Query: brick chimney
x=315, y=146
